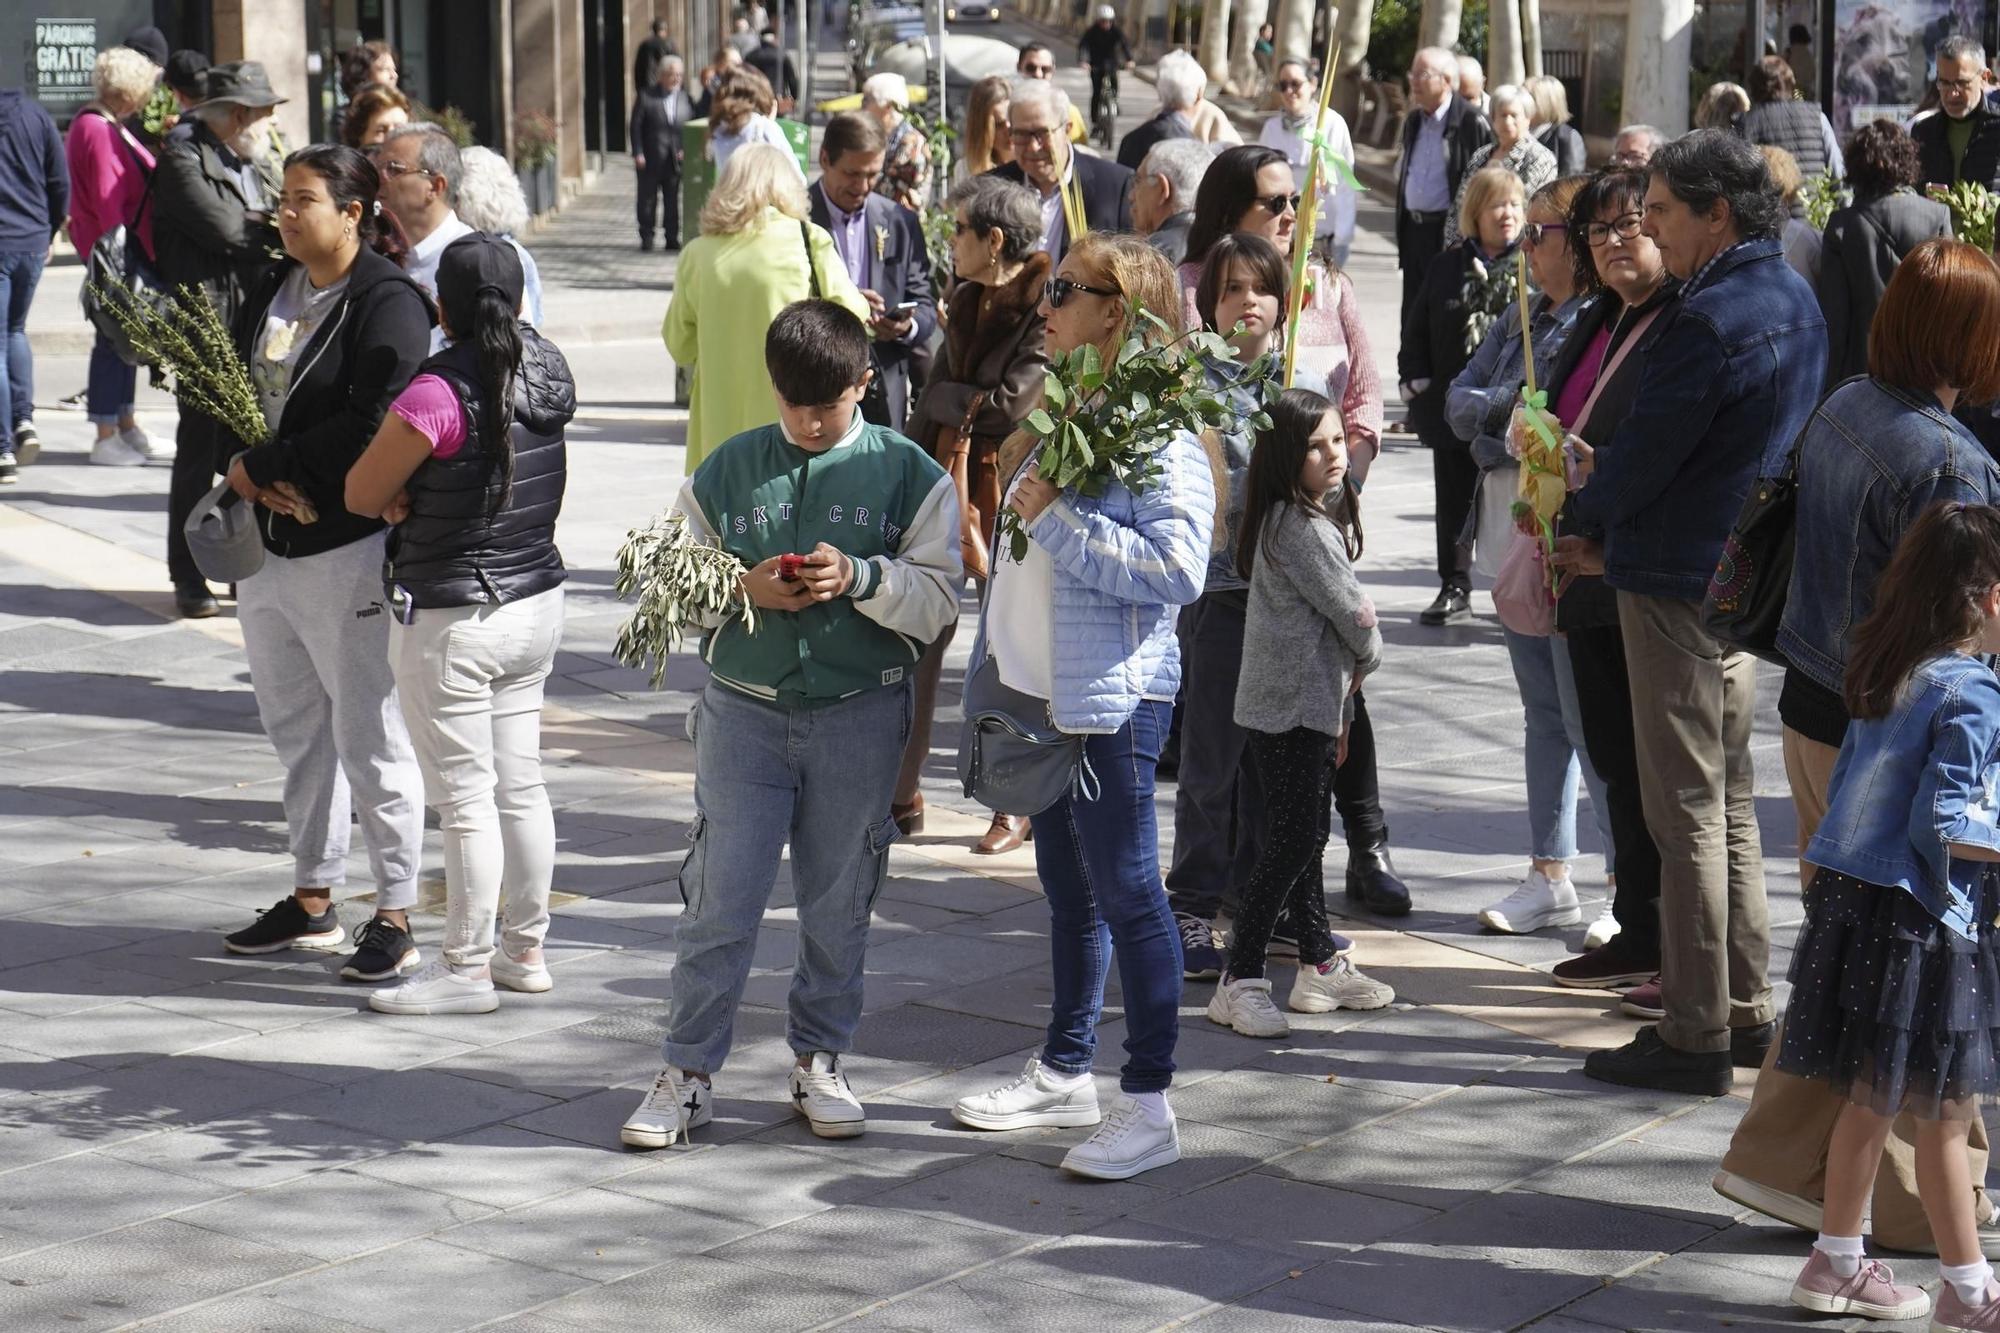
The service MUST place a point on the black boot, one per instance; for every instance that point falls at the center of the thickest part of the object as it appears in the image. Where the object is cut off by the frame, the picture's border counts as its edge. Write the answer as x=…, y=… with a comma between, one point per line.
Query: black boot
x=1372, y=881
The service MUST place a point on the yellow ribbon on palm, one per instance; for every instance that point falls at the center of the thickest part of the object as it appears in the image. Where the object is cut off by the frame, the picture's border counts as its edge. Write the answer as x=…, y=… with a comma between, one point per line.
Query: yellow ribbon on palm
x=1542, y=486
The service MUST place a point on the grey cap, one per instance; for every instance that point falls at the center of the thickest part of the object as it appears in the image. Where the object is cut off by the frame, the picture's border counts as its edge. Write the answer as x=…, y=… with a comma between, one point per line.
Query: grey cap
x=223, y=538
x=244, y=82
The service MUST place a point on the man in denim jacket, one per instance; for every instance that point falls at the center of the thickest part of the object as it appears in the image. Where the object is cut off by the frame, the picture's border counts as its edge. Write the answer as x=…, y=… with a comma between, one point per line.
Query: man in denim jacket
x=1729, y=380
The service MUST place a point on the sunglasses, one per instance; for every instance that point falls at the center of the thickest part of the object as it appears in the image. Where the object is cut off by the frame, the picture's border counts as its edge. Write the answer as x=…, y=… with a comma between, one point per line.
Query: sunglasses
x=1291, y=85
x=1535, y=231
x=1056, y=290
x=1625, y=224
x=395, y=168
x=1276, y=204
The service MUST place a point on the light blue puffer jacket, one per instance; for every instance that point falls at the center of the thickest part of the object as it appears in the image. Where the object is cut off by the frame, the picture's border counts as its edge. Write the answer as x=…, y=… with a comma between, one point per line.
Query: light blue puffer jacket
x=1125, y=564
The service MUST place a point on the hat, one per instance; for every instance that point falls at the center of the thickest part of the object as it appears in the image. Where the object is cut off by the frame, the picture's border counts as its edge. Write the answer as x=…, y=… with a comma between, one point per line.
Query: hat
x=1106, y=12
x=148, y=42
x=187, y=73
x=471, y=265
x=222, y=536
x=243, y=82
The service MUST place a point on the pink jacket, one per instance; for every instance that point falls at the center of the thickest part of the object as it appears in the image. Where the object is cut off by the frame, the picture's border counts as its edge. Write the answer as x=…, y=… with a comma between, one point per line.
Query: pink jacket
x=105, y=186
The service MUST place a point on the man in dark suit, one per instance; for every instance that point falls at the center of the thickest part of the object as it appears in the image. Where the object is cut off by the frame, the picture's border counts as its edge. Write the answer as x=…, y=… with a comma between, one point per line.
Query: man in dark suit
x=777, y=67
x=646, y=64
x=882, y=244
x=1037, y=118
x=659, y=114
x=1440, y=135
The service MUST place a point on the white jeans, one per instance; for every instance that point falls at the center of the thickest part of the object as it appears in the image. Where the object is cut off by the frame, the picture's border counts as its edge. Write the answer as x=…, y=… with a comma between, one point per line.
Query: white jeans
x=471, y=682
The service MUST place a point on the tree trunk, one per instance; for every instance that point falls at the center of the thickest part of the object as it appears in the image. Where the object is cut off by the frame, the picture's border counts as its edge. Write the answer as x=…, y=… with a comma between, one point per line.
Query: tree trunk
x=1213, y=52
x=1439, y=26
x=1294, y=30
x=1354, y=26
x=1244, y=76
x=1531, y=36
x=1503, y=43
x=1658, y=47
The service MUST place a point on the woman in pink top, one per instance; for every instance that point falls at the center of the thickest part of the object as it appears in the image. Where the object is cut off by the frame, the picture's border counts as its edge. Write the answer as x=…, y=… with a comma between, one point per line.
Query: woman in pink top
x=108, y=171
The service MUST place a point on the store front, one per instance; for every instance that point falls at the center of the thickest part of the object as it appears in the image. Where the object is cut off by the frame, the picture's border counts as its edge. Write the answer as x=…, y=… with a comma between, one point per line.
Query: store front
x=58, y=41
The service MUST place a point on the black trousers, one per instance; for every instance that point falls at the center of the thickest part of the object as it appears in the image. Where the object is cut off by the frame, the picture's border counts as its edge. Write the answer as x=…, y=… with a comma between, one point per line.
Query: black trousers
x=1604, y=705
x=1295, y=768
x=1457, y=480
x=1419, y=240
x=660, y=190
x=194, y=472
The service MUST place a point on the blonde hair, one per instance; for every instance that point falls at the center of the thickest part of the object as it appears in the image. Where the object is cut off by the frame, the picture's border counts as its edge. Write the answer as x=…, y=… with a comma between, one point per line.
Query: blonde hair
x=1720, y=106
x=1784, y=169
x=759, y=176
x=740, y=93
x=1482, y=191
x=1551, y=99
x=977, y=142
x=124, y=75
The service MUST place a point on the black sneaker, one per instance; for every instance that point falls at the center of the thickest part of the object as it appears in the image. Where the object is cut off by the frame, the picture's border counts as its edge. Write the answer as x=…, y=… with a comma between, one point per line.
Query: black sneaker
x=1749, y=1046
x=287, y=925
x=382, y=949
x=1201, y=948
x=10, y=471
x=1451, y=604
x=196, y=602
x=1648, y=1062
x=1284, y=946
x=27, y=445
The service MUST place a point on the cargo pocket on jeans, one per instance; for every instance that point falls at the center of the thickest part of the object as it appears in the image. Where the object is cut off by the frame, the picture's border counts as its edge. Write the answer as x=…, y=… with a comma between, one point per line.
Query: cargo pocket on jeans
x=690, y=875
x=874, y=867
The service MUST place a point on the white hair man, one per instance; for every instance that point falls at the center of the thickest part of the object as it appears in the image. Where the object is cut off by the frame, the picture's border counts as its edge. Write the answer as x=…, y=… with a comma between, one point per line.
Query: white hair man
x=1635, y=145
x=906, y=162
x=1472, y=84
x=1163, y=194
x=1286, y=132
x=1440, y=135
x=1037, y=127
x=1180, y=83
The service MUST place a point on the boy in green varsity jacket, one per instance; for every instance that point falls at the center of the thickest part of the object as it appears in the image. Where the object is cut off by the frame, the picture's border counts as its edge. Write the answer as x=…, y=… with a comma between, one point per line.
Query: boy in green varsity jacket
x=849, y=535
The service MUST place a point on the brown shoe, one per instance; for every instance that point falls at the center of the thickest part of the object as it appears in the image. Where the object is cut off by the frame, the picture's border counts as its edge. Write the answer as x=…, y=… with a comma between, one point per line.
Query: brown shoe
x=1005, y=834
x=909, y=818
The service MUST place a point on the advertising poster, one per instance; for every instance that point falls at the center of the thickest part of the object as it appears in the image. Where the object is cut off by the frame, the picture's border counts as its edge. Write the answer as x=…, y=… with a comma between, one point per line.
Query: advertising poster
x=1882, y=52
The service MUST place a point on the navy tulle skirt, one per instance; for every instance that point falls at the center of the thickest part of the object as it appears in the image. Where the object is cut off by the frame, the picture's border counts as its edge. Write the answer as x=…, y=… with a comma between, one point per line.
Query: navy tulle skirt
x=1891, y=1007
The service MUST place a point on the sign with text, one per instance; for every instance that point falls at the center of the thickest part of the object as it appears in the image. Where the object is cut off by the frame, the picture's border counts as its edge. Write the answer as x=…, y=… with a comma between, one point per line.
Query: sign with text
x=65, y=55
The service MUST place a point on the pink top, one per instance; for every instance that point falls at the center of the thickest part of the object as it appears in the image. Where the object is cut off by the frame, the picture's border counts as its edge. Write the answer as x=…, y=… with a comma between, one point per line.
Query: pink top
x=1569, y=399
x=430, y=406
x=105, y=185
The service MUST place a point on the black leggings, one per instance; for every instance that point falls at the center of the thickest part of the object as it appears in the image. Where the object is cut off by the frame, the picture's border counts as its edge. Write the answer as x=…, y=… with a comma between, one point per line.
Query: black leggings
x=1296, y=771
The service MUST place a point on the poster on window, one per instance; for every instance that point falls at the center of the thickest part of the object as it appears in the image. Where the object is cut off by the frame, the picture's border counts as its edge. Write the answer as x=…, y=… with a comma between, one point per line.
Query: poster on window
x=1882, y=54
x=65, y=55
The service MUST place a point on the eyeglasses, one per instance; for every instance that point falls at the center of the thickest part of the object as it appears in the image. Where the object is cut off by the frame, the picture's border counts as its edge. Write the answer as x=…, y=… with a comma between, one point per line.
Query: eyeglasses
x=1031, y=136
x=1957, y=85
x=1535, y=231
x=393, y=168
x=1056, y=290
x=1291, y=85
x=1625, y=224
x=1277, y=204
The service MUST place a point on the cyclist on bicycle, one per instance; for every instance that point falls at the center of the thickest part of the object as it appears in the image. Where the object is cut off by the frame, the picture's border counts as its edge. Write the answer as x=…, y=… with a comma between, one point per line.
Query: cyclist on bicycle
x=1103, y=51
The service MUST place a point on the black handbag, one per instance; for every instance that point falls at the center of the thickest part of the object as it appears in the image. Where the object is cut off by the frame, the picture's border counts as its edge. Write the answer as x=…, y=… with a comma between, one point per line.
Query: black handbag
x=116, y=260
x=1011, y=757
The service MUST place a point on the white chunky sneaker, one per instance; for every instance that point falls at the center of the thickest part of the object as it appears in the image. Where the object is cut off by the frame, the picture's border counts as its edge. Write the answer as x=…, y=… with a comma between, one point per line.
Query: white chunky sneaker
x=1246, y=1006
x=1602, y=931
x=528, y=978
x=820, y=1094
x=1137, y=1135
x=114, y=450
x=156, y=452
x=1040, y=1096
x=436, y=989
x=1337, y=985
x=674, y=1106
x=1540, y=901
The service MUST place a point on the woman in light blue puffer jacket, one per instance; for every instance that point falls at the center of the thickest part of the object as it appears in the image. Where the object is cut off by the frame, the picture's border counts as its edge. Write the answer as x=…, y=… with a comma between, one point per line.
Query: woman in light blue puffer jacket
x=1086, y=621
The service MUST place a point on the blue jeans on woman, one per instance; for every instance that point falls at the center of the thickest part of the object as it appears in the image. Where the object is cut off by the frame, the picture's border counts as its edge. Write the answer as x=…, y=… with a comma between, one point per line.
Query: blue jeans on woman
x=20, y=270
x=107, y=395
x=1099, y=863
x=1555, y=753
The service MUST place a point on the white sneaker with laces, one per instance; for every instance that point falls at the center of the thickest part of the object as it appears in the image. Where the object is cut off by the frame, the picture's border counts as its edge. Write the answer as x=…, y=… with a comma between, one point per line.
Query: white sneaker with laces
x=1603, y=930
x=1039, y=1097
x=157, y=452
x=820, y=1094
x=528, y=978
x=675, y=1106
x=1137, y=1135
x=436, y=989
x=1540, y=901
x=1245, y=1005
x=114, y=450
x=1337, y=985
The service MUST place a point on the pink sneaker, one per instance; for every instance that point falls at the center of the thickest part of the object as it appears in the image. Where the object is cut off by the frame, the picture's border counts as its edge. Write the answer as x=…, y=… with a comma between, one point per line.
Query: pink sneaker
x=1643, y=1001
x=1953, y=1315
x=1871, y=1293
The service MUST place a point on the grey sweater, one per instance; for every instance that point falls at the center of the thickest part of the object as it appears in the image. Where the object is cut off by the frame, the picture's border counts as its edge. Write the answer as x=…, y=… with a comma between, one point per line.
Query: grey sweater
x=1310, y=629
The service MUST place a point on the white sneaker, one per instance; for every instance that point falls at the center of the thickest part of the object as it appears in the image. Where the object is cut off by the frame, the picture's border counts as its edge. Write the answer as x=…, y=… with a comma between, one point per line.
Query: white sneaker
x=1339, y=985
x=668, y=1112
x=115, y=450
x=1246, y=1006
x=1137, y=1135
x=820, y=1094
x=1540, y=901
x=437, y=990
x=1603, y=930
x=1040, y=1096
x=160, y=453
x=528, y=978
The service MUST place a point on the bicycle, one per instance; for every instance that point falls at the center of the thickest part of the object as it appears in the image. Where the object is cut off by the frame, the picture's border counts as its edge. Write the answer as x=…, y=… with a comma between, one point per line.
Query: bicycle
x=1104, y=108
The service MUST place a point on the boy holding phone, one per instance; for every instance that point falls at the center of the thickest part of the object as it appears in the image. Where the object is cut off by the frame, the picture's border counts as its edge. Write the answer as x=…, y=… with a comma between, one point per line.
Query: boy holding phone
x=849, y=535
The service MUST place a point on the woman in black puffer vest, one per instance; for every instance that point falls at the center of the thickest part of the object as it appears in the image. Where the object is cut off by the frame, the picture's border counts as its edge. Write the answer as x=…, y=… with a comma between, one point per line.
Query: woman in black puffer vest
x=469, y=465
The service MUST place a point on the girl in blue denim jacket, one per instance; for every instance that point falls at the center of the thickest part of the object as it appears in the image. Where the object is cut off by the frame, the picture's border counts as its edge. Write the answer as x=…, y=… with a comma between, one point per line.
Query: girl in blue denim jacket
x=1896, y=973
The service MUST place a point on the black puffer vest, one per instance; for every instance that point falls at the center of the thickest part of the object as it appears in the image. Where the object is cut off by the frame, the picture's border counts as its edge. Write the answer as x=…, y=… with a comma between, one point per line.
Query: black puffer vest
x=460, y=546
x=1792, y=126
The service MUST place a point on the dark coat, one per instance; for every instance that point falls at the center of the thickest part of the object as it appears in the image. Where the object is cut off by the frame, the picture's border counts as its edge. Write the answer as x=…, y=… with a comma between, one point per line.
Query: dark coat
x=1171, y=237
x=359, y=359
x=1562, y=140
x=34, y=175
x=202, y=229
x=898, y=269
x=1982, y=155
x=1106, y=186
x=1864, y=242
x=1132, y=149
x=1792, y=126
x=1465, y=133
x=768, y=59
x=646, y=62
x=992, y=345
x=1433, y=345
x=658, y=117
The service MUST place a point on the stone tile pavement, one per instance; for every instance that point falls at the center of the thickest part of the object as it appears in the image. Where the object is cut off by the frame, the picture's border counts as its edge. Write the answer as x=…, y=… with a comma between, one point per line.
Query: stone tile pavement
x=195, y=1142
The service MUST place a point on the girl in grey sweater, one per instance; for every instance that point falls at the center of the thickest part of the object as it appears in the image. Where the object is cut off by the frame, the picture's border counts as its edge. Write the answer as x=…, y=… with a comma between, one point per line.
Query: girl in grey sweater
x=1309, y=639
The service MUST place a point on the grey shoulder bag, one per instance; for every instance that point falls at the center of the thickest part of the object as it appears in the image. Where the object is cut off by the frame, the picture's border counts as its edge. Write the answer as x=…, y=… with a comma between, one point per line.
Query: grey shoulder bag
x=1011, y=756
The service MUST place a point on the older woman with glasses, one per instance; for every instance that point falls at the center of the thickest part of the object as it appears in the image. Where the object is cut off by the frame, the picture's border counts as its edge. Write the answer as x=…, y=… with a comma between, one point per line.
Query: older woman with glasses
x=1514, y=147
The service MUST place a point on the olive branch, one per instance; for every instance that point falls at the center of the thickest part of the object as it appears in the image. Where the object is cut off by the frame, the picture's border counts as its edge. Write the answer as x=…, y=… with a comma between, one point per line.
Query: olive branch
x=681, y=581
x=184, y=336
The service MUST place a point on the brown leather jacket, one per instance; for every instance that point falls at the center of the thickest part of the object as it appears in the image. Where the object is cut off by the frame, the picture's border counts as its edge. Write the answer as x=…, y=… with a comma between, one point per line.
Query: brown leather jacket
x=992, y=346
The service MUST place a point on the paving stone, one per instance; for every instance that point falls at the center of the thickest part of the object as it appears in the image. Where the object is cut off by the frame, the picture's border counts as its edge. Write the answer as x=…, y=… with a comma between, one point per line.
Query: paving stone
x=1437, y=1288
x=1271, y=1311
x=423, y=1287
x=1163, y=1272
x=256, y=1148
x=904, y=1249
x=105, y=1281
x=1524, y=1230
x=702, y=1294
x=1317, y=1219
x=337, y=1213
x=503, y=1166
x=991, y=1303
x=758, y=1183
x=597, y=1234
x=254, y=1314
x=1646, y=1175
x=1009, y=1193
x=1688, y=1292
x=86, y=1193
x=1281, y=1106
x=417, y=1104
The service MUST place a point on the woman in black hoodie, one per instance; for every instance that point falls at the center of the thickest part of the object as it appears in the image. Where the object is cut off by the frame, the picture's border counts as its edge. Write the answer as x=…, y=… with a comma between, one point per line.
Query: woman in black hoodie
x=331, y=334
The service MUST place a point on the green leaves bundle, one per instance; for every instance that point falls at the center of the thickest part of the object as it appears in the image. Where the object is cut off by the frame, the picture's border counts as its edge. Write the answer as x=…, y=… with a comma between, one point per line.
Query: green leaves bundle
x=1973, y=207
x=185, y=338
x=1099, y=424
x=681, y=581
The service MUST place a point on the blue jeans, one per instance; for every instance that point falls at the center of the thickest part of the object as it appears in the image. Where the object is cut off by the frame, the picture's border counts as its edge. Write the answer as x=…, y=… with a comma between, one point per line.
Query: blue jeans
x=20, y=271
x=107, y=396
x=765, y=775
x=1099, y=863
x=1555, y=751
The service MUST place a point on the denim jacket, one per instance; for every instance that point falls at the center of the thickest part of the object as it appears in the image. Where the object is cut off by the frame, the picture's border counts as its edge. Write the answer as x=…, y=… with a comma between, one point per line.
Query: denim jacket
x=1728, y=379
x=1873, y=458
x=1481, y=400
x=1909, y=784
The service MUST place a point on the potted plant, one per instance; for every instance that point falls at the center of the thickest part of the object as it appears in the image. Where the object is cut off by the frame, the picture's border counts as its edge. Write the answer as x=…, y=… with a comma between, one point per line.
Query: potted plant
x=535, y=159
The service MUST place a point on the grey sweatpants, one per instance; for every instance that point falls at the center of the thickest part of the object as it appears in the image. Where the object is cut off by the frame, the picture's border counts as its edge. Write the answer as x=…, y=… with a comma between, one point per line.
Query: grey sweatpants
x=316, y=631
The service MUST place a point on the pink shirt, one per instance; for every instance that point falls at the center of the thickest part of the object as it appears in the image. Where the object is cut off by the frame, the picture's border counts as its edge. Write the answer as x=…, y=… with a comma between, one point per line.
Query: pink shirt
x=433, y=410
x=105, y=184
x=1569, y=399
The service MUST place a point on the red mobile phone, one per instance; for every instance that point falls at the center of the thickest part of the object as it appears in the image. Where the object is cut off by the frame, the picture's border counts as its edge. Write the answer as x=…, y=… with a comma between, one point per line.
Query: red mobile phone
x=789, y=567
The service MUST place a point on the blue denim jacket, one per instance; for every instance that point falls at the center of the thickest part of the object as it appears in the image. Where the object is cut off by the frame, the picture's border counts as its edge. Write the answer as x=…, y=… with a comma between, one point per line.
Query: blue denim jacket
x=1728, y=379
x=1908, y=784
x=1873, y=458
x=1481, y=399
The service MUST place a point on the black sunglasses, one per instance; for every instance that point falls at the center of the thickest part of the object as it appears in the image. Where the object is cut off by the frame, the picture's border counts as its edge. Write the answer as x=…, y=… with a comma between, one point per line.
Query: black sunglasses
x=1057, y=290
x=1291, y=85
x=1535, y=231
x=1276, y=204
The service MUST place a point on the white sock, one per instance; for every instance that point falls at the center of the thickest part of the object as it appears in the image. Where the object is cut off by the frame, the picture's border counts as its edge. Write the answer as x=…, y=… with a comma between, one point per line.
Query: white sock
x=1843, y=1252
x=1968, y=1280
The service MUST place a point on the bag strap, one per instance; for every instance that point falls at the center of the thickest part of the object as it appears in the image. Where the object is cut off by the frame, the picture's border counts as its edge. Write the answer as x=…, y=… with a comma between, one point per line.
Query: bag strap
x=1610, y=367
x=124, y=139
x=1791, y=471
x=812, y=268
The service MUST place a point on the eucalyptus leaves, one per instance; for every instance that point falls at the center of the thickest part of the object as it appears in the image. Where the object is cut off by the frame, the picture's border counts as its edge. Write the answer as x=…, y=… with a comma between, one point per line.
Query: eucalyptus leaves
x=681, y=582
x=1100, y=424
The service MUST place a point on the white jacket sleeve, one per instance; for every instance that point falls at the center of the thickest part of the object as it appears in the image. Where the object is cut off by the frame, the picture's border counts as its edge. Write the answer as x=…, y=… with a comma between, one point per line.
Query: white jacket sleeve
x=701, y=530
x=915, y=592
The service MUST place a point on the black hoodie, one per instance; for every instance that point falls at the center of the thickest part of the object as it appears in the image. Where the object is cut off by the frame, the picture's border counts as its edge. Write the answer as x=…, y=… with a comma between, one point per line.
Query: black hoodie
x=34, y=175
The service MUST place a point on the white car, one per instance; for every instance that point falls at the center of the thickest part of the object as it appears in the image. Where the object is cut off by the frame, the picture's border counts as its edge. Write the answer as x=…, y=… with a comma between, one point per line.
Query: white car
x=972, y=11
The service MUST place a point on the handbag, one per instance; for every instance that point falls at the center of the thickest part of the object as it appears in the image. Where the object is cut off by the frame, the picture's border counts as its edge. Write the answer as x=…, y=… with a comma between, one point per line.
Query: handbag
x=1492, y=539
x=117, y=259
x=875, y=398
x=1011, y=756
x=1521, y=589
x=977, y=481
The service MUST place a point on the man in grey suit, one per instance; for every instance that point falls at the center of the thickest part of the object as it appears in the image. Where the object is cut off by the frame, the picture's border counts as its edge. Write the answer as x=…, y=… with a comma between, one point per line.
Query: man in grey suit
x=659, y=116
x=882, y=244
